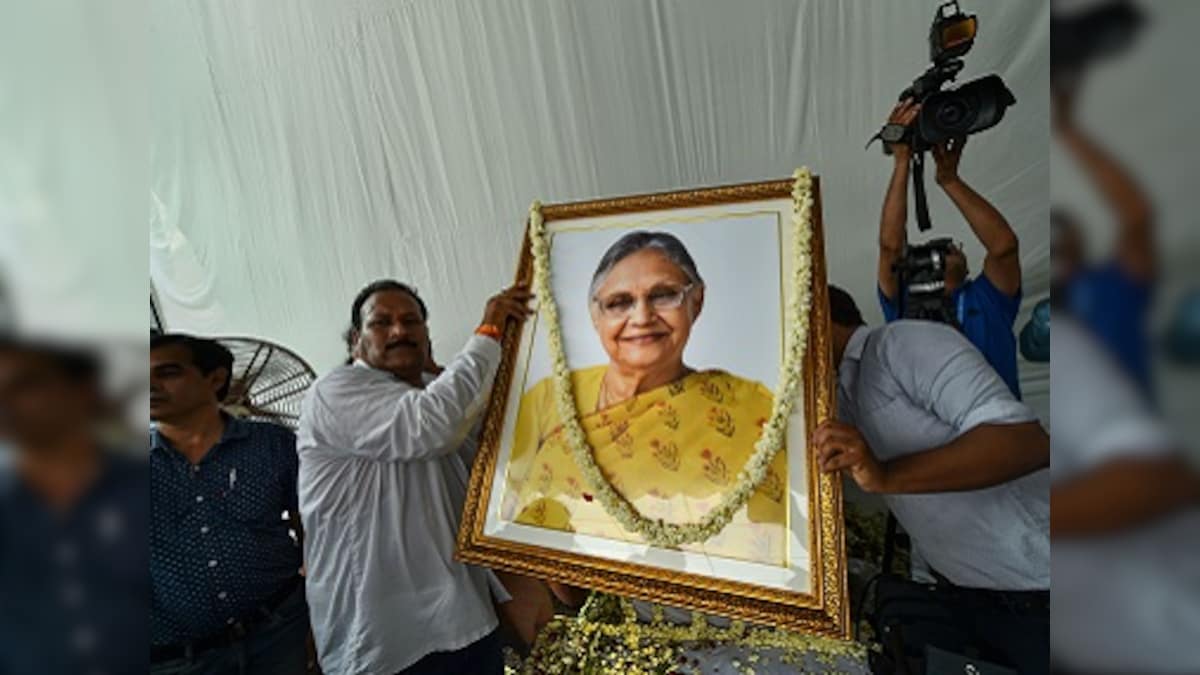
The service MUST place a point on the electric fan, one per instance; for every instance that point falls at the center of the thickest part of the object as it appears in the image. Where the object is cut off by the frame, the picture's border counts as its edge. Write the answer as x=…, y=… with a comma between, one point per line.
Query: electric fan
x=268, y=381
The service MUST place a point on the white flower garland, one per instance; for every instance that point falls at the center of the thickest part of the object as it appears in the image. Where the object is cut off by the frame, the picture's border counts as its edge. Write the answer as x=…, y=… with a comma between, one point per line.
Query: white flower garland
x=774, y=433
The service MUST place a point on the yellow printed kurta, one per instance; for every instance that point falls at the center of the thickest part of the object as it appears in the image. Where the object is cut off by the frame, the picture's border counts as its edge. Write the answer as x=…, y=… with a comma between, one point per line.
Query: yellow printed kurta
x=673, y=452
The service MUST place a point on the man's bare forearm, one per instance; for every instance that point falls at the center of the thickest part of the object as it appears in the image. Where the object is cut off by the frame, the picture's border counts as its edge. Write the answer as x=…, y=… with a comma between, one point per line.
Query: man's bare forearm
x=1003, y=263
x=1122, y=494
x=986, y=221
x=1134, y=213
x=895, y=206
x=892, y=235
x=1119, y=188
x=985, y=456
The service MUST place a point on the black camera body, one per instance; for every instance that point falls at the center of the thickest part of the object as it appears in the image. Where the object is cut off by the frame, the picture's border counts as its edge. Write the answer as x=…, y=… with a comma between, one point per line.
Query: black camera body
x=922, y=277
x=949, y=113
x=969, y=109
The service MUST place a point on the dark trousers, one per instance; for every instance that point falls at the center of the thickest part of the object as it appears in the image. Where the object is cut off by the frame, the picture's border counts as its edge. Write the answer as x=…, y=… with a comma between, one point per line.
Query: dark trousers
x=1007, y=628
x=481, y=657
x=1007, y=632
x=278, y=646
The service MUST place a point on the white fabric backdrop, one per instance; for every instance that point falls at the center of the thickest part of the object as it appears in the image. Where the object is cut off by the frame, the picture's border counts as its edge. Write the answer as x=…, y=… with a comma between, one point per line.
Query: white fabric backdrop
x=303, y=149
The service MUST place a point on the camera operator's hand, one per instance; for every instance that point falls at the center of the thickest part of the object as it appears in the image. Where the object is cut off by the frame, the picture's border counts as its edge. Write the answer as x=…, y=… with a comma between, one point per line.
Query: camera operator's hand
x=511, y=303
x=840, y=446
x=903, y=114
x=946, y=155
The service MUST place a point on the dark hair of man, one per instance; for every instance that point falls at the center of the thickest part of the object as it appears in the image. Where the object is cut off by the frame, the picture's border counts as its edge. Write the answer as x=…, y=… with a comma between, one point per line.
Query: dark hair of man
x=375, y=287
x=207, y=355
x=361, y=299
x=77, y=364
x=842, y=309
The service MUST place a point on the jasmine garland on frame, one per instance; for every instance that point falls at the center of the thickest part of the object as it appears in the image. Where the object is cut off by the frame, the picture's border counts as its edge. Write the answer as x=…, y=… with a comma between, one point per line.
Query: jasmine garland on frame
x=774, y=432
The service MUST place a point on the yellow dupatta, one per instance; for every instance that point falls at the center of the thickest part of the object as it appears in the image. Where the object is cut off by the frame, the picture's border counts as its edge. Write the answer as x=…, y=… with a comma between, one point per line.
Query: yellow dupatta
x=672, y=452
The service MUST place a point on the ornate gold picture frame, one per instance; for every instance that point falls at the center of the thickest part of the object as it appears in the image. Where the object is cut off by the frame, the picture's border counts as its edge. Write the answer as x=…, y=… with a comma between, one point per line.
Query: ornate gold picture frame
x=732, y=226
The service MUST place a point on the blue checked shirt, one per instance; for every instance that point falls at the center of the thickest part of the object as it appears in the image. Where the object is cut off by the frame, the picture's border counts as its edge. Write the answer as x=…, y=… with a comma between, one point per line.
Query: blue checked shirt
x=219, y=547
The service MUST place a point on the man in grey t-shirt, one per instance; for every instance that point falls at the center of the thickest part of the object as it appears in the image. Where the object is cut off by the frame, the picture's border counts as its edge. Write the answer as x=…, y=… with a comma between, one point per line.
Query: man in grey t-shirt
x=928, y=424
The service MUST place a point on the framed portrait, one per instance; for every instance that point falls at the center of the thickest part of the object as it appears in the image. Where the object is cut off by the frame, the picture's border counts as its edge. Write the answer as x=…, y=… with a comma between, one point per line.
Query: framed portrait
x=673, y=313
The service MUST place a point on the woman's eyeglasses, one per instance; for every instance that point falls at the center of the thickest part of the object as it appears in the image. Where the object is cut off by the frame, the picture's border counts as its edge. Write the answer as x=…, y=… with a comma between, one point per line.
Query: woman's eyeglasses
x=621, y=305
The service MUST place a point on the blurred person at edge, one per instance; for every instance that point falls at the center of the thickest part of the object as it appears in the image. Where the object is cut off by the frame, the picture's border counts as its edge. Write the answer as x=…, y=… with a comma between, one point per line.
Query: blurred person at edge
x=1124, y=524
x=1111, y=298
x=227, y=592
x=73, y=521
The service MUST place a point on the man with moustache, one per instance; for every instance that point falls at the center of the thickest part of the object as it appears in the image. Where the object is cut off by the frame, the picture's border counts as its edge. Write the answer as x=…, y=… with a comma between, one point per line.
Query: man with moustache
x=385, y=448
x=227, y=592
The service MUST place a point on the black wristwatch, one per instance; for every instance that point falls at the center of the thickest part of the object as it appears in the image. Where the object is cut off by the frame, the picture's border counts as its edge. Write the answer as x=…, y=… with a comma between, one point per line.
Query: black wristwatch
x=893, y=133
x=890, y=133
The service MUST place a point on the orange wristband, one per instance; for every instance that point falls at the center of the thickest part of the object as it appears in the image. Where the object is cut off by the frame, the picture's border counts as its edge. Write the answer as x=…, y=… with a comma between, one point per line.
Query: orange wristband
x=489, y=330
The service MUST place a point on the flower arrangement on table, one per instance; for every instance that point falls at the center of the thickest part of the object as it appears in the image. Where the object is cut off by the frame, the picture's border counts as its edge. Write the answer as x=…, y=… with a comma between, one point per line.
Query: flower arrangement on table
x=606, y=637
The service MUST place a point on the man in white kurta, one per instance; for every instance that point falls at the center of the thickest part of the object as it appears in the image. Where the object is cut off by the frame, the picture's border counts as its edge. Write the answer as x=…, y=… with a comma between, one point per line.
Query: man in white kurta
x=384, y=454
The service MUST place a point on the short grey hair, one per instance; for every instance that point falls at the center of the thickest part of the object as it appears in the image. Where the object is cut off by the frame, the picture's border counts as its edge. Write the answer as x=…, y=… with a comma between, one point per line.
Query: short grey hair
x=639, y=240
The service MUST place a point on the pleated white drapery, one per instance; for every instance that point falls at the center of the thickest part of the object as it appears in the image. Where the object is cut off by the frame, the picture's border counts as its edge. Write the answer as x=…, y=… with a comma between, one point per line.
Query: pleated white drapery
x=303, y=149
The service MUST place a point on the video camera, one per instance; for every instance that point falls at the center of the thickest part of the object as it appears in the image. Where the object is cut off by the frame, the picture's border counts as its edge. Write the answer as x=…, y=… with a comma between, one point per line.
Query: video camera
x=945, y=114
x=969, y=109
x=922, y=275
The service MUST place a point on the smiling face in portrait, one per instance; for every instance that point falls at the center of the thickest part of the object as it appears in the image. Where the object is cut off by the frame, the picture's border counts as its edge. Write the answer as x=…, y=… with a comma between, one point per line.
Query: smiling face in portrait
x=643, y=311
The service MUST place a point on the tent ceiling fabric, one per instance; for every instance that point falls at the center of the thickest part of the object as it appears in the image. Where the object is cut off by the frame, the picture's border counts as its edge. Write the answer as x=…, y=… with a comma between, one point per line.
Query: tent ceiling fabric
x=304, y=149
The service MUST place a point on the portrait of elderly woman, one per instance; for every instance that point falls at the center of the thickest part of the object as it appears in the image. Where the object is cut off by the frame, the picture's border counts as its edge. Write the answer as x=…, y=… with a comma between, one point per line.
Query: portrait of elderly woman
x=670, y=438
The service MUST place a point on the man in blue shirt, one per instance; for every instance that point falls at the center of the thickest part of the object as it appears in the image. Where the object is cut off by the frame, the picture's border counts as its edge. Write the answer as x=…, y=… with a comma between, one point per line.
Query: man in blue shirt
x=986, y=306
x=227, y=595
x=73, y=521
x=1111, y=299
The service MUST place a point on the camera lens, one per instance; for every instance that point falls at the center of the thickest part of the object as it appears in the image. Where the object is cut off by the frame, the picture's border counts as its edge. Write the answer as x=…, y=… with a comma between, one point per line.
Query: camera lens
x=956, y=114
x=971, y=108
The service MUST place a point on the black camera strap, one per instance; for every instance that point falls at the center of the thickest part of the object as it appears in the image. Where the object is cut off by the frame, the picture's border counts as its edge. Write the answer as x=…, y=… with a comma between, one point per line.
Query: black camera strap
x=921, y=205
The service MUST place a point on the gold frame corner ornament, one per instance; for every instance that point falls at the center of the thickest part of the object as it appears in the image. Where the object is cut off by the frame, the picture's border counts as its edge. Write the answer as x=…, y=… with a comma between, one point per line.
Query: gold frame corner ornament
x=825, y=610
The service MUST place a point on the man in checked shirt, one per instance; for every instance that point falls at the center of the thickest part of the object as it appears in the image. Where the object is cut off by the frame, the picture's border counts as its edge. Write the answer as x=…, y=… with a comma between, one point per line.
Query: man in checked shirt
x=227, y=592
